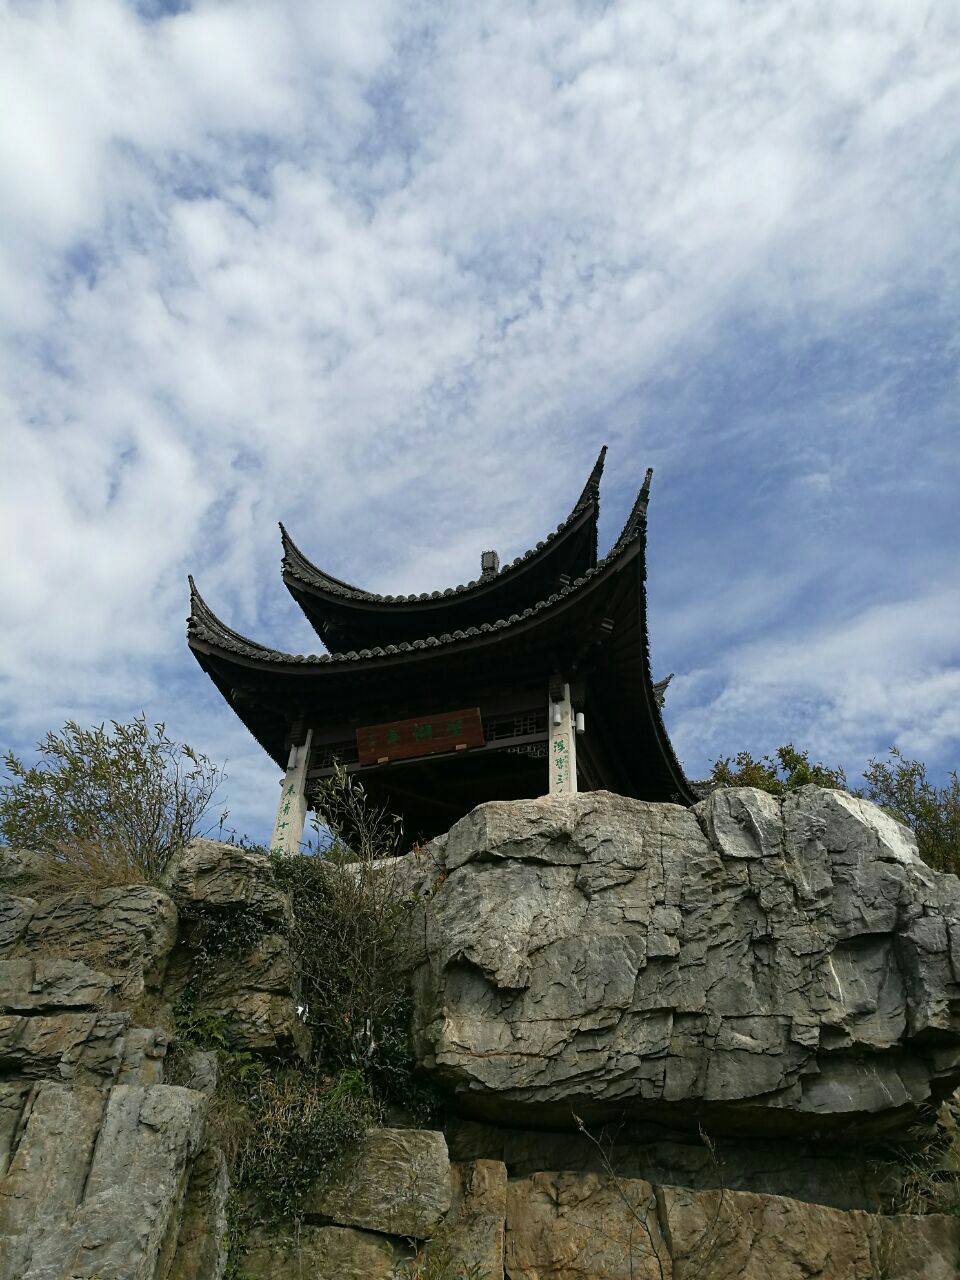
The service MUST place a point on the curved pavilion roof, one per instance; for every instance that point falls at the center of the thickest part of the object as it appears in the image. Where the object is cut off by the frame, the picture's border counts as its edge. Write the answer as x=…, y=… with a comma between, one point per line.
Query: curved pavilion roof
x=346, y=617
x=595, y=623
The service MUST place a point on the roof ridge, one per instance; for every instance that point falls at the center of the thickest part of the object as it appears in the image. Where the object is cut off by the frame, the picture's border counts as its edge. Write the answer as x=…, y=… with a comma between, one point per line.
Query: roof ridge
x=637, y=519
x=591, y=490
x=204, y=623
x=209, y=627
x=298, y=566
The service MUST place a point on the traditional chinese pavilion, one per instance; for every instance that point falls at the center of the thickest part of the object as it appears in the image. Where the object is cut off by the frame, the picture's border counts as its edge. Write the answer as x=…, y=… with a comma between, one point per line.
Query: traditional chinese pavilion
x=532, y=679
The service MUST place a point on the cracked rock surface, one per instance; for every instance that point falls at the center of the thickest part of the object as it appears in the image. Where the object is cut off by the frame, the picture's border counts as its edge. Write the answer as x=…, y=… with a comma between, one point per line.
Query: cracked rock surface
x=104, y=1174
x=757, y=964
x=569, y=1226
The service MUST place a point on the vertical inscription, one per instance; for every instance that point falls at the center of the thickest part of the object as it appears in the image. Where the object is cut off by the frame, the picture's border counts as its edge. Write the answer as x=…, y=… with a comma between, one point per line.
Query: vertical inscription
x=563, y=748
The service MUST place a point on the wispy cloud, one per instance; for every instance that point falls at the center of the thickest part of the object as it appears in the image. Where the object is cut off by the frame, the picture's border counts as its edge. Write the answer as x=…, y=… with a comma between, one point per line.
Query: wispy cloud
x=344, y=267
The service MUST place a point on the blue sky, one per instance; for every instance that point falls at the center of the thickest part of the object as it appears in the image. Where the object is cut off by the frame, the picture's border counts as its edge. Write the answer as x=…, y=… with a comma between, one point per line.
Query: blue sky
x=392, y=273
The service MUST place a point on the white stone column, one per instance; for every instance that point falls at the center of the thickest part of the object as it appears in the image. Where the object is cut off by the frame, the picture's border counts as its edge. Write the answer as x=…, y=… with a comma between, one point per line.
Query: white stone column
x=292, y=810
x=562, y=746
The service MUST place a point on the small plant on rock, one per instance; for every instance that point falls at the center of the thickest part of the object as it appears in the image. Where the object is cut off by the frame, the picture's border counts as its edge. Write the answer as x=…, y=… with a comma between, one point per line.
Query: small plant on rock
x=353, y=938
x=901, y=786
x=790, y=769
x=106, y=806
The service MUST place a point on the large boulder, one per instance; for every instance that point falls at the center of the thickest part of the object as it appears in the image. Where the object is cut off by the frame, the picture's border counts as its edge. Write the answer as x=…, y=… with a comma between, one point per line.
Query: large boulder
x=396, y=1182
x=756, y=965
x=213, y=875
x=127, y=930
x=95, y=1183
x=570, y=1226
x=234, y=962
x=322, y=1253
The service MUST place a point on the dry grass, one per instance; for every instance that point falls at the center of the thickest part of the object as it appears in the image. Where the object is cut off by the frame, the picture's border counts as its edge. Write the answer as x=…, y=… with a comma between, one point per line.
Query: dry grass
x=83, y=866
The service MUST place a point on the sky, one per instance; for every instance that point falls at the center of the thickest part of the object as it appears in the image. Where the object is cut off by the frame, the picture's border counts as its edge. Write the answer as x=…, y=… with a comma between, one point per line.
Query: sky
x=392, y=273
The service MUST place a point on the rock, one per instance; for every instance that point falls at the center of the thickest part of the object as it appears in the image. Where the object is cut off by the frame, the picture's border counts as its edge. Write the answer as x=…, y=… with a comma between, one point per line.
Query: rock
x=200, y=1251
x=45, y=1178
x=472, y=1234
x=759, y=965
x=322, y=1253
x=398, y=1182
x=84, y=1047
x=254, y=994
x=251, y=985
x=194, y=1069
x=257, y=998
x=15, y=916
x=567, y=1226
x=13, y=1103
x=144, y=1051
x=127, y=930
x=729, y=1236
x=918, y=1248
x=220, y=876
x=35, y=986
x=89, y=1197
x=564, y=1226
x=22, y=870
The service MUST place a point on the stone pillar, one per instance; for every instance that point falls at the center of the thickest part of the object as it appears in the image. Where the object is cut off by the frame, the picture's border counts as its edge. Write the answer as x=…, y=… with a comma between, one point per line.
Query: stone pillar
x=292, y=810
x=562, y=745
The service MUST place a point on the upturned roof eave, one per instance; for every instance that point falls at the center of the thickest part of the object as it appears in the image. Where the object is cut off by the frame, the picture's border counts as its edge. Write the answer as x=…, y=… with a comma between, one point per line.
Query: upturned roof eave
x=304, y=578
x=207, y=634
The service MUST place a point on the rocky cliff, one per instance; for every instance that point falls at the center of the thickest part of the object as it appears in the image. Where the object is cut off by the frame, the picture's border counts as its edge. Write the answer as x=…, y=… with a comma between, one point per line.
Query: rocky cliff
x=675, y=1042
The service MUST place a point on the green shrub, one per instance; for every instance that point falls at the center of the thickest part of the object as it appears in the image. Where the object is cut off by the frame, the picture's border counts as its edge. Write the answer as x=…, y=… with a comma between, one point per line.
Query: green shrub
x=353, y=941
x=790, y=769
x=106, y=806
x=298, y=1126
x=285, y=1127
x=901, y=786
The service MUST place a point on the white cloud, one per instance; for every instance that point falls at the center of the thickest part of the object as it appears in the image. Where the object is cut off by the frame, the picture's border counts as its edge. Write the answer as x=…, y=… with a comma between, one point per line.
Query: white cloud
x=846, y=690
x=393, y=273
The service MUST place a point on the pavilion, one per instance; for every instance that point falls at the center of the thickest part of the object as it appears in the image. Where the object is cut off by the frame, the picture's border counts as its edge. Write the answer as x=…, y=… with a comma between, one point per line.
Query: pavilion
x=532, y=679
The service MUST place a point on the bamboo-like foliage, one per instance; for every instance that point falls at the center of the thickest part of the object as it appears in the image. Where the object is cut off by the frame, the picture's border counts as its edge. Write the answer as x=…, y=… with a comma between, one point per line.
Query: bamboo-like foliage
x=902, y=787
x=106, y=806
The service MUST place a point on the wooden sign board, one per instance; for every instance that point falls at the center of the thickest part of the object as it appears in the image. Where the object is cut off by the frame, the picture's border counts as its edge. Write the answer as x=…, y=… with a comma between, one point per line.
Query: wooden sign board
x=423, y=736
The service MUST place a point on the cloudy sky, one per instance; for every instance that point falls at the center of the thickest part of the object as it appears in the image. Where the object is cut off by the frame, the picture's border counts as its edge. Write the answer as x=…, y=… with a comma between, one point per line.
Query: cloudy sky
x=393, y=272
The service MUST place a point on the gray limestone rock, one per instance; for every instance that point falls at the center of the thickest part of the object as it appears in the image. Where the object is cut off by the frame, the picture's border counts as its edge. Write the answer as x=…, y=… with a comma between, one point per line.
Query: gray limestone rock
x=255, y=994
x=37, y=985
x=757, y=964
x=84, y=1047
x=200, y=1251
x=129, y=931
x=95, y=1186
x=566, y=1226
x=398, y=1182
x=15, y=915
x=255, y=991
x=472, y=1235
x=257, y=998
x=225, y=877
x=322, y=1253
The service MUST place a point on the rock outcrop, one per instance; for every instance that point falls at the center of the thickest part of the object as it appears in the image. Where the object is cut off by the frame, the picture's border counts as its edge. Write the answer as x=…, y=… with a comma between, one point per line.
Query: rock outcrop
x=756, y=965
x=397, y=1183
x=784, y=974
x=566, y=1226
x=103, y=1171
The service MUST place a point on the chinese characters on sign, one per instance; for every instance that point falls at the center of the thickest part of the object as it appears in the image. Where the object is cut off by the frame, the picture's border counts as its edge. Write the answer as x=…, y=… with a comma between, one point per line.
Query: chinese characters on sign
x=561, y=766
x=422, y=736
x=563, y=747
